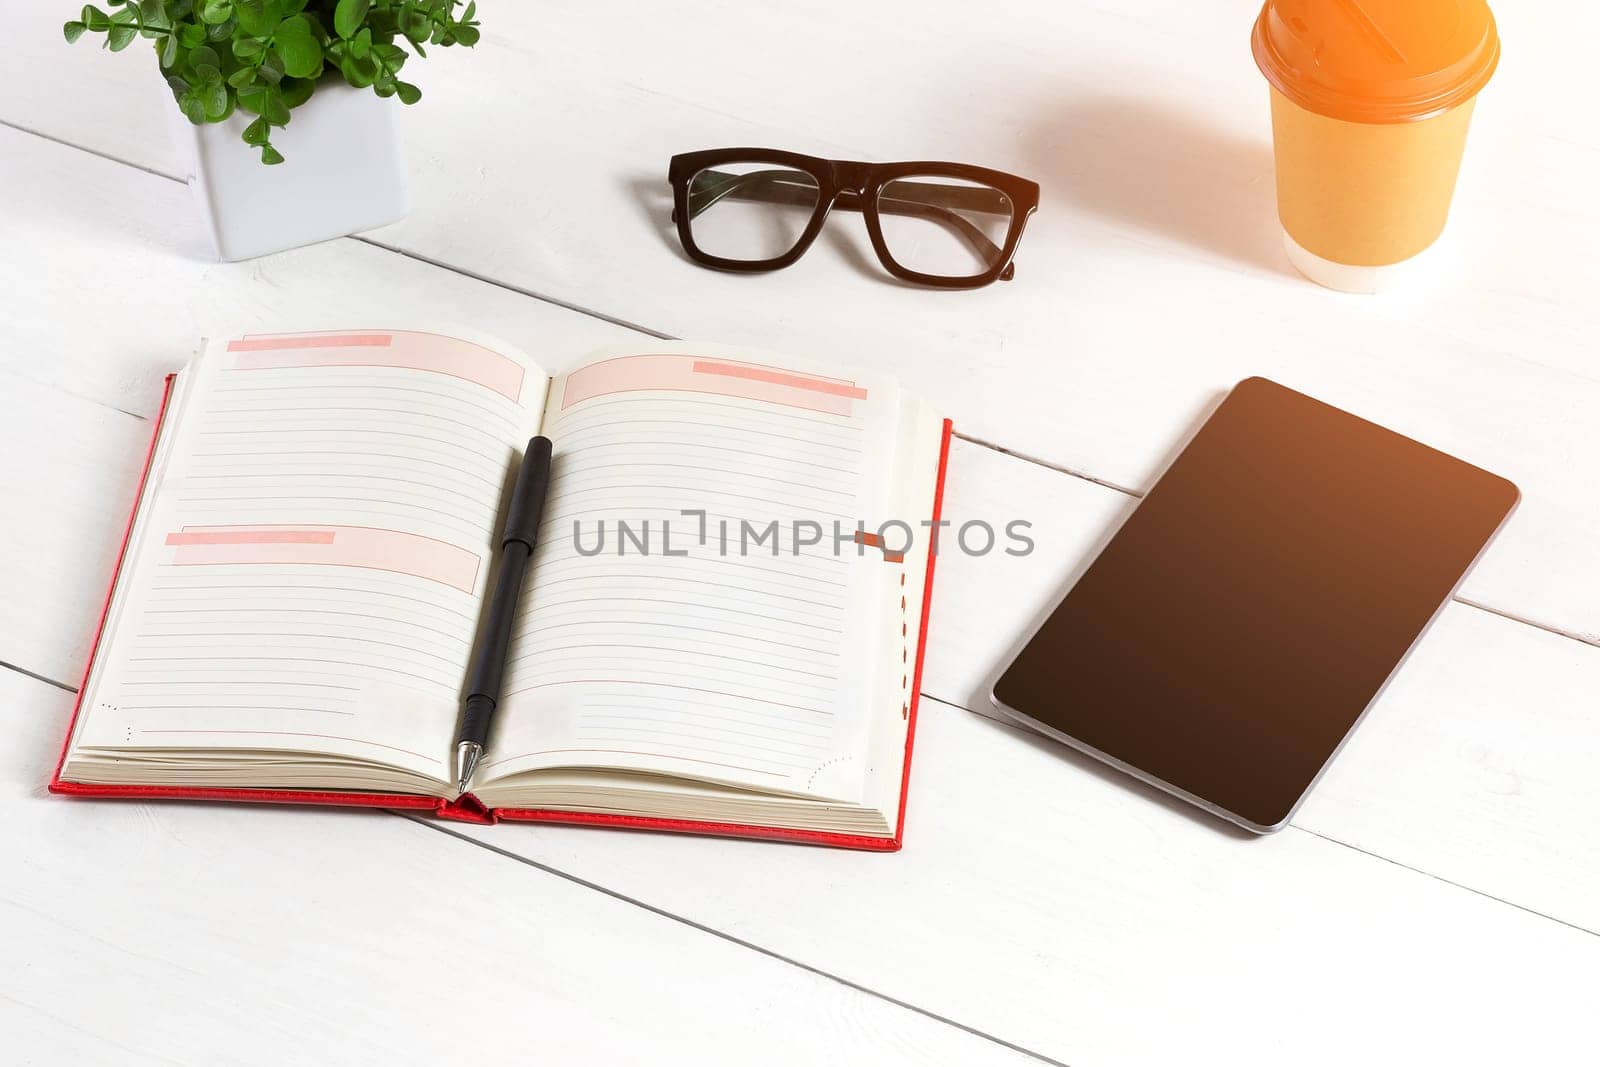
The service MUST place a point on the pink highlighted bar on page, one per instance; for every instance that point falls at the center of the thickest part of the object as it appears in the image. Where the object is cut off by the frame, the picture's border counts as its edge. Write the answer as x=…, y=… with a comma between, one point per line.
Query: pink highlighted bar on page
x=327, y=546
x=402, y=350
x=311, y=340
x=688, y=374
x=753, y=373
x=250, y=537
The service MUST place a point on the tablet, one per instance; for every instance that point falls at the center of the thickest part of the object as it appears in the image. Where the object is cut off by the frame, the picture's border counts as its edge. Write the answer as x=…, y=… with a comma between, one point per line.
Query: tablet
x=1232, y=633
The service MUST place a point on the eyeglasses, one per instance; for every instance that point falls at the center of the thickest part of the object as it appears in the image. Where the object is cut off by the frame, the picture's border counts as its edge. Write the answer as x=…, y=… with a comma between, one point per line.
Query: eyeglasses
x=948, y=225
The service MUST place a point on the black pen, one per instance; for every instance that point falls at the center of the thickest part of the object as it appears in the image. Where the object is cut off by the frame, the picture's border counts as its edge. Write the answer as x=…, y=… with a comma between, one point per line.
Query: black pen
x=489, y=662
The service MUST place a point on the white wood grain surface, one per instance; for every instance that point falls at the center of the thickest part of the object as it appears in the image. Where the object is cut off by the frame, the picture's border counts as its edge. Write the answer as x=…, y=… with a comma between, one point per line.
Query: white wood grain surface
x=150, y=933
x=1107, y=925
x=1436, y=897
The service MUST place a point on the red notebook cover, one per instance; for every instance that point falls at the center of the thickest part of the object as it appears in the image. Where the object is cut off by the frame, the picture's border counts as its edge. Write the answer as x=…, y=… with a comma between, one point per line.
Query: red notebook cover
x=466, y=808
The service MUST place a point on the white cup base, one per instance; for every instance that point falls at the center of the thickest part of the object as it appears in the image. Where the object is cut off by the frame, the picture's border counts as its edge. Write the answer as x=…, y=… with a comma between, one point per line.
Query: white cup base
x=1345, y=277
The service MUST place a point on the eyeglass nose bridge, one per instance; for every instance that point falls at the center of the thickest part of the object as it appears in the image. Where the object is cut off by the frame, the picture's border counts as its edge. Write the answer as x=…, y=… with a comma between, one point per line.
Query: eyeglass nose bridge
x=848, y=199
x=851, y=181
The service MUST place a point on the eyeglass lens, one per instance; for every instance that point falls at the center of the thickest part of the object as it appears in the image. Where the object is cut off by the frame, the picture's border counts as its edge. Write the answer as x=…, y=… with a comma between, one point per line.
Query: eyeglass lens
x=943, y=226
x=750, y=211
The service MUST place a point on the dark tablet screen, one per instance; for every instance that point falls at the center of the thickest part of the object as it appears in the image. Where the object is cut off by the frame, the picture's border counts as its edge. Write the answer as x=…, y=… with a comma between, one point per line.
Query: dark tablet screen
x=1235, y=628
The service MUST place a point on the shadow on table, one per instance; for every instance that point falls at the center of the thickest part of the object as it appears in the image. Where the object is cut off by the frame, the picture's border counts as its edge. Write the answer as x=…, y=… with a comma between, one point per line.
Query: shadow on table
x=1073, y=761
x=652, y=196
x=1165, y=172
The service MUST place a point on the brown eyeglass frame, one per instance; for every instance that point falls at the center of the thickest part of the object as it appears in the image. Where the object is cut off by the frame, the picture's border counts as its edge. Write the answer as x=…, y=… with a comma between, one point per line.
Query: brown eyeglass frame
x=856, y=186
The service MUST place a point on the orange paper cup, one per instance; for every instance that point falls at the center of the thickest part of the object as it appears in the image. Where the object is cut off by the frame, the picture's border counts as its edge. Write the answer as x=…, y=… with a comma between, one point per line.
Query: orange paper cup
x=1370, y=105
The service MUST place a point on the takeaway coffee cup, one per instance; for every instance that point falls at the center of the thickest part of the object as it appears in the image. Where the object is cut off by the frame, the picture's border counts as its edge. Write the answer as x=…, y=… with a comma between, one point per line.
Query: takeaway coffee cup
x=1370, y=105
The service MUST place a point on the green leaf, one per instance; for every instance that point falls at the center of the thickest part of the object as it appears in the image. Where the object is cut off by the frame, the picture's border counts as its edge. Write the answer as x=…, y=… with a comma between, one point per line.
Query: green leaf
x=271, y=68
x=270, y=156
x=154, y=16
x=216, y=12
x=192, y=34
x=467, y=35
x=409, y=94
x=169, y=51
x=257, y=132
x=359, y=72
x=274, y=110
x=296, y=44
x=214, y=98
x=73, y=30
x=247, y=47
x=349, y=16
x=204, y=57
x=192, y=109
x=95, y=19
x=416, y=25
x=297, y=91
x=244, y=76
x=392, y=55
x=120, y=37
x=253, y=99
x=255, y=18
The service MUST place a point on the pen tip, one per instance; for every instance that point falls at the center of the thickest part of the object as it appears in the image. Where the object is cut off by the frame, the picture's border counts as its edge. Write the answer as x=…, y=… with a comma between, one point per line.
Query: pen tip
x=467, y=753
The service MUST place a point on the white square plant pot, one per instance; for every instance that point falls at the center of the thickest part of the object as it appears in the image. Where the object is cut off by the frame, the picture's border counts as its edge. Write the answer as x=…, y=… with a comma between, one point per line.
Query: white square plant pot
x=341, y=173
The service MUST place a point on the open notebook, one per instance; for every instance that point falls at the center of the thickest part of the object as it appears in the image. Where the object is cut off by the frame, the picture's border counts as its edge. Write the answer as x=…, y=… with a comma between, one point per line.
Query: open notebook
x=719, y=633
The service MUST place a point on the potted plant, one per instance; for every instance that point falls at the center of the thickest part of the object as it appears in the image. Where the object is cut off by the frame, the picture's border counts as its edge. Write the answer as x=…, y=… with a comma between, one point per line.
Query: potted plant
x=239, y=70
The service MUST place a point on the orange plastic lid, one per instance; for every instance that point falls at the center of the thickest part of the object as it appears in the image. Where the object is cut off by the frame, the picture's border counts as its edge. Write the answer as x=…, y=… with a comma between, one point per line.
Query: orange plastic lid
x=1376, y=60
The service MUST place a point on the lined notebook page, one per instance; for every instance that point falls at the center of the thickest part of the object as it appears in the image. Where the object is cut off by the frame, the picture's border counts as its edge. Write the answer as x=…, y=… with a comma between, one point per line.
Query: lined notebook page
x=307, y=574
x=741, y=657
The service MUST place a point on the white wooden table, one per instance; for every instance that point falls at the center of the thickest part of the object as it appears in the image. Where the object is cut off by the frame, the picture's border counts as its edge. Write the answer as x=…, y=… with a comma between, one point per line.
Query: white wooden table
x=1437, y=899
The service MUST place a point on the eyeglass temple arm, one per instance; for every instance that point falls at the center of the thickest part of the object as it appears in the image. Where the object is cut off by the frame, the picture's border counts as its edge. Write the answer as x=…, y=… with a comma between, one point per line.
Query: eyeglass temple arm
x=799, y=189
